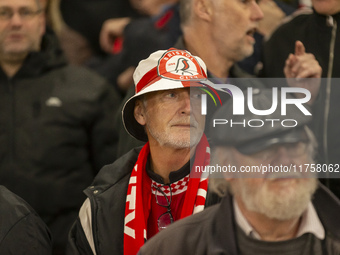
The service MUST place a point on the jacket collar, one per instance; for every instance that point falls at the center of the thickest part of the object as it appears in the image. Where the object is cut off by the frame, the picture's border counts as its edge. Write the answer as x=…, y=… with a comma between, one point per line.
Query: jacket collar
x=322, y=20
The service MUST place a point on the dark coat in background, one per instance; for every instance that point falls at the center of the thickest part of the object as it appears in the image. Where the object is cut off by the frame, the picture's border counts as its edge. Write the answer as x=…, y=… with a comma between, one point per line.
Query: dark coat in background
x=317, y=33
x=56, y=132
x=21, y=229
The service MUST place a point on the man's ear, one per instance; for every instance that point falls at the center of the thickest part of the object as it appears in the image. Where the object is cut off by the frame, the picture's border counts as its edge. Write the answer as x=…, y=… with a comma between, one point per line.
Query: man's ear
x=139, y=112
x=203, y=9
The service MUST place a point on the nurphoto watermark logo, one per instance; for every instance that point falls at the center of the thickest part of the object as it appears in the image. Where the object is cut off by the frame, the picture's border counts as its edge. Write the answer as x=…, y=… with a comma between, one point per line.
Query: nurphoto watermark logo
x=239, y=104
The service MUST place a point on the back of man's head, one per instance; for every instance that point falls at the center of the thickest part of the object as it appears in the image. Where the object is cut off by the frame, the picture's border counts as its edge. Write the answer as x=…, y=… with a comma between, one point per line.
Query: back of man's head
x=185, y=11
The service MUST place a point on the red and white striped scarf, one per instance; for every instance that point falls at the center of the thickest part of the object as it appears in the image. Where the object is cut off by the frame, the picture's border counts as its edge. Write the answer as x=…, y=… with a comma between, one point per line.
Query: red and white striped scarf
x=138, y=197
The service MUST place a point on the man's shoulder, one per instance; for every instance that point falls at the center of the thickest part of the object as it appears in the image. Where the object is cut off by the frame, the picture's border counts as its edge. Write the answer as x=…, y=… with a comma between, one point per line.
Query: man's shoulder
x=112, y=174
x=189, y=234
x=296, y=21
x=196, y=221
x=12, y=204
x=12, y=210
x=78, y=75
x=80, y=84
x=301, y=15
x=21, y=225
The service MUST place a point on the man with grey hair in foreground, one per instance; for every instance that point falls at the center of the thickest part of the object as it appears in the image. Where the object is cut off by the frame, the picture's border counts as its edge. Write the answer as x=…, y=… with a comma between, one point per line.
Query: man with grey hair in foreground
x=283, y=213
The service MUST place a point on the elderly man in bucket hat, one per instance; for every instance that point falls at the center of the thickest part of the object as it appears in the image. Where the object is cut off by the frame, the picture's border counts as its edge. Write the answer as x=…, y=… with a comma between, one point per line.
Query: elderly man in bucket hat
x=142, y=192
x=277, y=212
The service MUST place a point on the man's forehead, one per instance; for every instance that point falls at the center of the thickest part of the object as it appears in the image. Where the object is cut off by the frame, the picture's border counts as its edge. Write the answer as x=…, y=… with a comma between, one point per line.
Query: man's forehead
x=20, y=3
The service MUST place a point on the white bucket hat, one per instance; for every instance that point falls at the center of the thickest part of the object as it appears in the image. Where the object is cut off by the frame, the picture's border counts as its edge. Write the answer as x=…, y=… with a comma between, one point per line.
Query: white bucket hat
x=162, y=70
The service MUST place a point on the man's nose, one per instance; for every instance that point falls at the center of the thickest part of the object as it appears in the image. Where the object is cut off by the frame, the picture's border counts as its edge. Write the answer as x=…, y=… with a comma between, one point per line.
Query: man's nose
x=16, y=19
x=256, y=12
x=185, y=103
x=283, y=156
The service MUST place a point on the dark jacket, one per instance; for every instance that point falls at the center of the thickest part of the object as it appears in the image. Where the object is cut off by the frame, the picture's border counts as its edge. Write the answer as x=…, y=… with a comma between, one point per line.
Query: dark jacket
x=88, y=16
x=315, y=32
x=56, y=131
x=213, y=231
x=107, y=195
x=22, y=231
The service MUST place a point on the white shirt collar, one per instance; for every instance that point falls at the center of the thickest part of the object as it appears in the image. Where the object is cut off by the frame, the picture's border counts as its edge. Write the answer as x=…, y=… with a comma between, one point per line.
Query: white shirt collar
x=310, y=223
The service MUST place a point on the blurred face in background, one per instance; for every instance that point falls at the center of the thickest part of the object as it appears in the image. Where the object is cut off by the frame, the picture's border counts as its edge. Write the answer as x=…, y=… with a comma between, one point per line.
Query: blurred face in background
x=233, y=24
x=326, y=7
x=22, y=25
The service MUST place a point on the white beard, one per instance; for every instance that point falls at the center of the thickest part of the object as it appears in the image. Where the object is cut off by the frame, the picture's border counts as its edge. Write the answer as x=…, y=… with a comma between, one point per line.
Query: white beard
x=178, y=141
x=283, y=204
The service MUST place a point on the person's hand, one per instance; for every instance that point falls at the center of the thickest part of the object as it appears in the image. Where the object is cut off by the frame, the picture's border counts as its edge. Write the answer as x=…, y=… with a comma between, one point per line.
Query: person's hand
x=148, y=7
x=111, y=29
x=302, y=65
x=272, y=17
x=125, y=79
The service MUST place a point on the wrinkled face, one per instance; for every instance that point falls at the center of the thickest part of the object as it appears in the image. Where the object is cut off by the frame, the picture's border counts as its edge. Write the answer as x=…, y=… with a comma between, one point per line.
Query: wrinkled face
x=233, y=25
x=172, y=117
x=275, y=197
x=326, y=7
x=21, y=32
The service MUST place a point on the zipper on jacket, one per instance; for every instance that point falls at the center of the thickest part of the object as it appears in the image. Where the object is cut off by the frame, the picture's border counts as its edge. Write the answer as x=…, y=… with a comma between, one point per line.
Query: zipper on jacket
x=93, y=204
x=11, y=144
x=330, y=22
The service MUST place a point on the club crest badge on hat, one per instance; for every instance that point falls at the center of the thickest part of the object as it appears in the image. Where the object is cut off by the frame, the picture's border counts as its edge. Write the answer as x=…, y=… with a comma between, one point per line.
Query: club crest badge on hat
x=179, y=65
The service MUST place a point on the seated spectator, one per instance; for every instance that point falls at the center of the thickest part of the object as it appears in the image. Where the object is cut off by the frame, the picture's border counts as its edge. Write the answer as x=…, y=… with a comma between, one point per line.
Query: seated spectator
x=145, y=190
x=319, y=32
x=57, y=125
x=273, y=213
x=22, y=230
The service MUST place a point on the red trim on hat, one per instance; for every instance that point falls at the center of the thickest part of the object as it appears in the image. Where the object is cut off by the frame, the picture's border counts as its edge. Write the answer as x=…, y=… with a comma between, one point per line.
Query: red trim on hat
x=152, y=82
x=204, y=74
x=186, y=84
x=149, y=76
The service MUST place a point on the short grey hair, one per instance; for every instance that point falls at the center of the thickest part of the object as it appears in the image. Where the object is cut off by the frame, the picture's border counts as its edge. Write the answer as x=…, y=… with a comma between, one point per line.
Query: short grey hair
x=219, y=185
x=185, y=11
